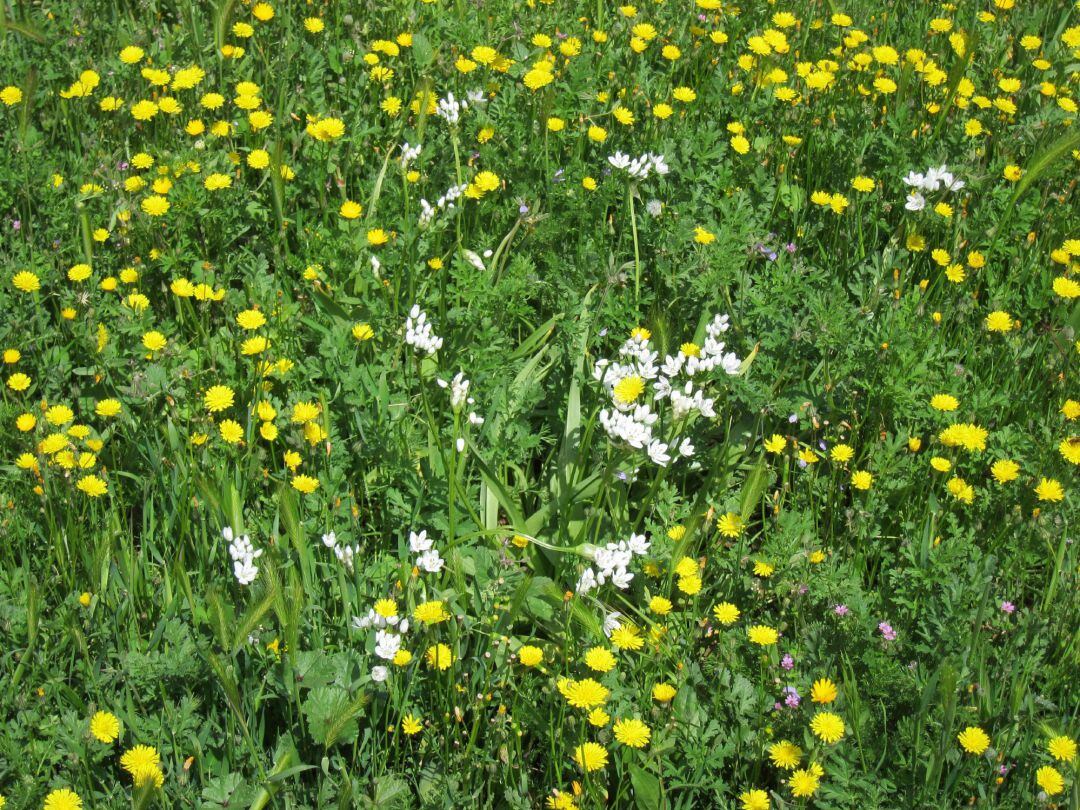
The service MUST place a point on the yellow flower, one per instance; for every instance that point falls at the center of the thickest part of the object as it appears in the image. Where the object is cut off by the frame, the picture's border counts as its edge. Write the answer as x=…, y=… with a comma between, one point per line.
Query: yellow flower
x=628, y=389
x=861, y=479
x=823, y=691
x=1066, y=287
x=632, y=733
x=841, y=453
x=439, y=656
x=827, y=727
x=530, y=656
x=105, y=727
x=1049, y=489
x=1004, y=471
x=305, y=484
x=410, y=725
x=154, y=341
x=973, y=740
x=730, y=524
x=230, y=431
x=726, y=613
x=93, y=486
x=785, y=755
x=585, y=694
x=26, y=282
x=775, y=443
x=703, y=237
x=762, y=635
x=663, y=692
x=1050, y=780
x=350, y=210
x=803, y=783
x=1062, y=748
x=430, y=613
x=62, y=799
x=660, y=606
x=155, y=206
x=590, y=756
x=944, y=402
x=218, y=398
x=600, y=659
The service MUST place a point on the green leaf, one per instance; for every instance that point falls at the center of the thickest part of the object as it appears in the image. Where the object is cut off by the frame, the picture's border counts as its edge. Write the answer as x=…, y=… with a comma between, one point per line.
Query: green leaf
x=647, y=792
x=332, y=715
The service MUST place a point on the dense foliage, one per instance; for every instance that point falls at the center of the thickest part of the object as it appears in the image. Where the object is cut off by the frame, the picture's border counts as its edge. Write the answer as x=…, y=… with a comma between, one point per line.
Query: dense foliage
x=444, y=404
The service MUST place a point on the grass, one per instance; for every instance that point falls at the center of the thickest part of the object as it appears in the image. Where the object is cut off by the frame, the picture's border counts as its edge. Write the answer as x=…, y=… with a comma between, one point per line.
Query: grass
x=275, y=386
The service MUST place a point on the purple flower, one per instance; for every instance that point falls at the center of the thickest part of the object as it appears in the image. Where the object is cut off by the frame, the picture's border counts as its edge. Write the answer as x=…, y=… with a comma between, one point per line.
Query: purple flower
x=16, y=224
x=793, y=418
x=841, y=610
x=887, y=632
x=772, y=255
x=790, y=247
x=792, y=698
x=787, y=662
x=1008, y=607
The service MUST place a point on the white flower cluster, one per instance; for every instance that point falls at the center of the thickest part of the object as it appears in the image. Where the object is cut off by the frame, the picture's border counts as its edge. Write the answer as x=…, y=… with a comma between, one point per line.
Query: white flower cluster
x=933, y=180
x=459, y=390
x=243, y=555
x=429, y=558
x=612, y=564
x=451, y=108
x=447, y=202
x=344, y=552
x=418, y=332
x=409, y=153
x=640, y=167
x=626, y=379
x=389, y=631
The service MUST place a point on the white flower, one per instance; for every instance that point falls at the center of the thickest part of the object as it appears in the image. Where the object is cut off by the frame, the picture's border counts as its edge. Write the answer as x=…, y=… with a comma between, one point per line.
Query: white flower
x=611, y=623
x=449, y=108
x=243, y=554
x=244, y=571
x=474, y=259
x=619, y=160
x=638, y=544
x=345, y=555
x=460, y=445
x=418, y=332
x=363, y=622
x=430, y=561
x=586, y=582
x=686, y=449
x=387, y=644
x=915, y=202
x=658, y=453
x=459, y=390
x=379, y=674
x=654, y=207
x=227, y=533
x=329, y=539
x=419, y=542
x=914, y=179
x=621, y=578
x=409, y=153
